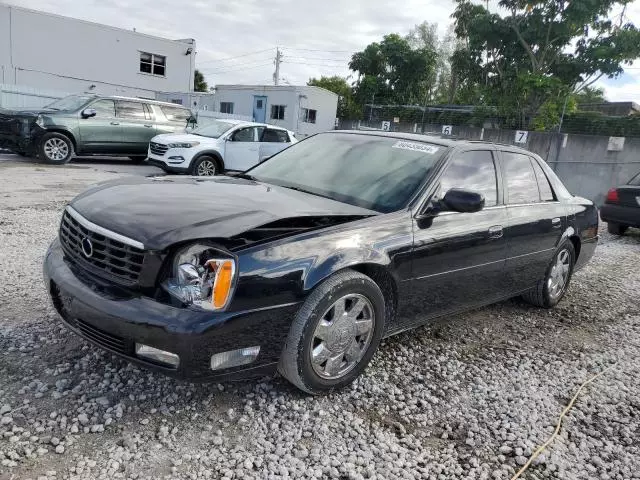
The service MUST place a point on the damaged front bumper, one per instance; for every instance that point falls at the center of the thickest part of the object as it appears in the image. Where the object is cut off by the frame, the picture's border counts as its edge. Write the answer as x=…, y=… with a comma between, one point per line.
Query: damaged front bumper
x=120, y=322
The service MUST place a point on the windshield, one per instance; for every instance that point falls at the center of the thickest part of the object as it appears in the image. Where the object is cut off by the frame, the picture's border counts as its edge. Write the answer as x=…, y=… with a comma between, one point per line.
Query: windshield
x=70, y=103
x=378, y=173
x=214, y=129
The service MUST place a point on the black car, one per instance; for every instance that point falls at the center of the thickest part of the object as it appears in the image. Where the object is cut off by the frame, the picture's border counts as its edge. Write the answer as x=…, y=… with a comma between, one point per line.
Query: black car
x=622, y=207
x=308, y=260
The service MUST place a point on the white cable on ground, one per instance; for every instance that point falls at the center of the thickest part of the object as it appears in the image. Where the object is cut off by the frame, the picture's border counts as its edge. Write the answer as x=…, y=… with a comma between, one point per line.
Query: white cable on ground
x=559, y=425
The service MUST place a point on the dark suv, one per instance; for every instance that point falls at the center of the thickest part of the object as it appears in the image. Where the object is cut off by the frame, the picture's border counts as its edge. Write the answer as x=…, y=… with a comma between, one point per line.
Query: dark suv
x=90, y=125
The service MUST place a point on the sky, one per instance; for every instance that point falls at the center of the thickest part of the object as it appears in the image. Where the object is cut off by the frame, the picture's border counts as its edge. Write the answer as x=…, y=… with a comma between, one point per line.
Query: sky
x=236, y=41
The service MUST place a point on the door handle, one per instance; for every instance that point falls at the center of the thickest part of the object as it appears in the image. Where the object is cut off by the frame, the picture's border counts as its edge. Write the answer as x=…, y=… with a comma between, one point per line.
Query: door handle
x=115, y=123
x=555, y=222
x=496, y=231
x=148, y=126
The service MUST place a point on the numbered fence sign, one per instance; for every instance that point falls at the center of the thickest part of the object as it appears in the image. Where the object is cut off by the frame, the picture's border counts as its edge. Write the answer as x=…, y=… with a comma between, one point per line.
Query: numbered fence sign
x=447, y=130
x=522, y=136
x=386, y=126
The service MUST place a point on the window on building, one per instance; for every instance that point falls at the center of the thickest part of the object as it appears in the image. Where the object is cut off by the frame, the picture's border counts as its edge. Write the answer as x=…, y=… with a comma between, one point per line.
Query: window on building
x=151, y=63
x=177, y=101
x=133, y=110
x=175, y=114
x=226, y=107
x=308, y=115
x=473, y=171
x=521, y=179
x=104, y=108
x=277, y=112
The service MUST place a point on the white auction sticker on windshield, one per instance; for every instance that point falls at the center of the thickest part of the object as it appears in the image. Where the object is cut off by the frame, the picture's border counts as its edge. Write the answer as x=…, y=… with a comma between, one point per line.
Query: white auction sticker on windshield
x=416, y=147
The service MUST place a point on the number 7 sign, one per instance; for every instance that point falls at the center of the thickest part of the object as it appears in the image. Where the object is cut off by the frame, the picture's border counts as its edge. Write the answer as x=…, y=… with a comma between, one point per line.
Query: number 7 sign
x=522, y=136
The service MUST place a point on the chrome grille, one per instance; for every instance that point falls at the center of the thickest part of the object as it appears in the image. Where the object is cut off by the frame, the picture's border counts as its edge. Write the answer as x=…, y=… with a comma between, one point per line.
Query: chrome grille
x=110, y=258
x=158, y=148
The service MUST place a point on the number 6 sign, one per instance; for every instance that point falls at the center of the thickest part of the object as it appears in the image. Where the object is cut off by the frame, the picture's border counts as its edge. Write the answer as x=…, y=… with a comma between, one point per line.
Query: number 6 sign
x=522, y=136
x=447, y=129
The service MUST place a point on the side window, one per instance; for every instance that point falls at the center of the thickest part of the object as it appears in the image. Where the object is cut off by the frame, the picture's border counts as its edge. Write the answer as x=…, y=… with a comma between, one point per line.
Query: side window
x=104, y=108
x=175, y=114
x=132, y=110
x=473, y=171
x=244, y=135
x=546, y=192
x=275, y=136
x=521, y=179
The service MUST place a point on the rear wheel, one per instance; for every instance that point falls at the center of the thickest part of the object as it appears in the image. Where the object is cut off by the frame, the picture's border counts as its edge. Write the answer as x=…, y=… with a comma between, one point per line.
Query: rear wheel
x=206, y=166
x=335, y=333
x=616, y=229
x=550, y=290
x=56, y=148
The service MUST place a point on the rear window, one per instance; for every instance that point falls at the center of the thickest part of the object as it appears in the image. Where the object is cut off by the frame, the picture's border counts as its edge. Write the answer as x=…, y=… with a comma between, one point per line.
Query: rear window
x=175, y=114
x=635, y=181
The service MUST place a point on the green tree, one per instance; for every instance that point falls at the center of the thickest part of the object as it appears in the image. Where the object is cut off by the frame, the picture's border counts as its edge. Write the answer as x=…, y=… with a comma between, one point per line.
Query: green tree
x=392, y=71
x=540, y=53
x=199, y=83
x=438, y=84
x=348, y=108
x=590, y=95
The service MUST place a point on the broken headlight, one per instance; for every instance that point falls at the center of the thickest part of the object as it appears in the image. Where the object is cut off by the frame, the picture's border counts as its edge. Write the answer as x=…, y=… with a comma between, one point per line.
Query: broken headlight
x=201, y=276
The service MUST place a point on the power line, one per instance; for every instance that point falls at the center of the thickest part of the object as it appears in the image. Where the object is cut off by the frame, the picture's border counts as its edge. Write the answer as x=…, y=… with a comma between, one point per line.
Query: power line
x=316, y=50
x=237, y=56
x=247, y=67
x=320, y=59
x=317, y=64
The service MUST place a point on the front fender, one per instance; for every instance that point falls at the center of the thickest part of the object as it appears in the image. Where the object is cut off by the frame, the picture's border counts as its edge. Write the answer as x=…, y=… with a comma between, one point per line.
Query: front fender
x=339, y=261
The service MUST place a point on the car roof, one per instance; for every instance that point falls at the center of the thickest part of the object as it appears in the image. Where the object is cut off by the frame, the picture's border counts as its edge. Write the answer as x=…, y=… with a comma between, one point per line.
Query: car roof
x=246, y=123
x=444, y=141
x=146, y=100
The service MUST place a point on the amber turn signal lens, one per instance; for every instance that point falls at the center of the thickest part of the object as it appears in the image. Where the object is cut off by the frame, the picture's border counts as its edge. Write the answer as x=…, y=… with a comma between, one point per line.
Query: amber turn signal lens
x=222, y=284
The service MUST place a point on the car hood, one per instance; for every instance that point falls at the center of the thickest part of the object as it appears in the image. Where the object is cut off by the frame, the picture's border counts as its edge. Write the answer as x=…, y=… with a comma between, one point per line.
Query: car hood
x=161, y=211
x=26, y=113
x=182, y=137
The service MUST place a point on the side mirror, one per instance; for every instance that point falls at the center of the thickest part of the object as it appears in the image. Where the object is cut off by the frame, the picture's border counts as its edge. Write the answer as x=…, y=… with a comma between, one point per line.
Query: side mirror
x=89, y=112
x=460, y=200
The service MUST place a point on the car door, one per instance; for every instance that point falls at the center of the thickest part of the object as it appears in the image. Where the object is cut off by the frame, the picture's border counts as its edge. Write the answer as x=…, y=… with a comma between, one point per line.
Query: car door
x=272, y=141
x=100, y=133
x=137, y=125
x=458, y=258
x=241, y=149
x=175, y=119
x=536, y=223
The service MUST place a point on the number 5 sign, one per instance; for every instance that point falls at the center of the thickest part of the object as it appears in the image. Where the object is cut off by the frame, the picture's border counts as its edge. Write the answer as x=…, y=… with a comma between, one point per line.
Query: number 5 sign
x=522, y=136
x=447, y=130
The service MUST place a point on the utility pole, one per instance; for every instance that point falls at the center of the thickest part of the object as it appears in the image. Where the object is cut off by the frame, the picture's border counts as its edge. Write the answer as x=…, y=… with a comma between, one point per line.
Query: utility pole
x=276, y=74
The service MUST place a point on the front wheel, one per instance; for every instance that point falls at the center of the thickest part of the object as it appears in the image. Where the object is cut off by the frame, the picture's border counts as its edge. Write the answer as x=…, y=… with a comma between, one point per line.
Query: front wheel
x=550, y=290
x=205, y=166
x=616, y=229
x=335, y=333
x=56, y=148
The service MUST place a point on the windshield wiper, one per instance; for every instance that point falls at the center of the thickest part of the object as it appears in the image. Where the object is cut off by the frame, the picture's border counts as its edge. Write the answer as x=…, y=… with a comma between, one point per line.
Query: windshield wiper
x=246, y=176
x=310, y=192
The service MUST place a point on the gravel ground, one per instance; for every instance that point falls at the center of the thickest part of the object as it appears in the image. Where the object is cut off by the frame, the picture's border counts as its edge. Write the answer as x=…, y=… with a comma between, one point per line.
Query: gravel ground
x=469, y=397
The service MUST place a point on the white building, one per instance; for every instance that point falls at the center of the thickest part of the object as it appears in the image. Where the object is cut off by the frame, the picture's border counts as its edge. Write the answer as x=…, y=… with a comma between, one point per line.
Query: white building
x=304, y=110
x=45, y=51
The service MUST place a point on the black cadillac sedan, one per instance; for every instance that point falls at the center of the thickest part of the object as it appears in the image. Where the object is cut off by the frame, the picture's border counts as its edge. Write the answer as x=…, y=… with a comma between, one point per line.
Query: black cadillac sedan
x=307, y=261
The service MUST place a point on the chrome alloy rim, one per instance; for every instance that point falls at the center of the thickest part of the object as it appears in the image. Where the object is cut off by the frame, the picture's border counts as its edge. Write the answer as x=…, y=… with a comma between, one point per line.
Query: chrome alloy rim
x=207, y=168
x=559, y=274
x=56, y=149
x=342, y=336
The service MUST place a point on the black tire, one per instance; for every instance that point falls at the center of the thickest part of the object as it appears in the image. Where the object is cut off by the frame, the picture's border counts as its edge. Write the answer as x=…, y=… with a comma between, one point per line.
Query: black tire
x=616, y=229
x=138, y=158
x=55, y=148
x=295, y=362
x=198, y=167
x=540, y=295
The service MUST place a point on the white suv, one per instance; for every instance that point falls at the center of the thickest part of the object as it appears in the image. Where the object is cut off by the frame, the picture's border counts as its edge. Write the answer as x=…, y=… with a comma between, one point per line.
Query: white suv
x=218, y=146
